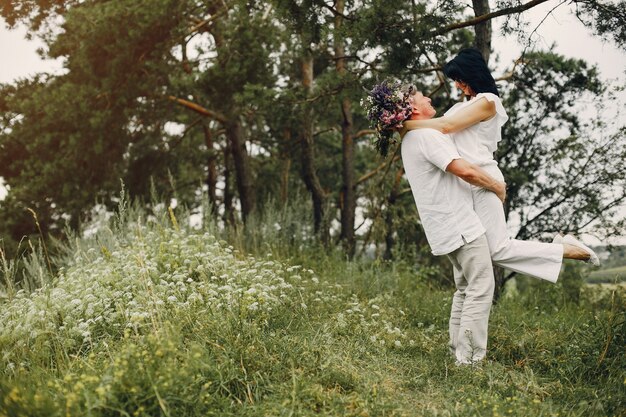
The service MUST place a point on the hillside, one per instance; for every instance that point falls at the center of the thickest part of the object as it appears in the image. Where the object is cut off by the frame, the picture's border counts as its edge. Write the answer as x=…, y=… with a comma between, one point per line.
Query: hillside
x=146, y=319
x=608, y=275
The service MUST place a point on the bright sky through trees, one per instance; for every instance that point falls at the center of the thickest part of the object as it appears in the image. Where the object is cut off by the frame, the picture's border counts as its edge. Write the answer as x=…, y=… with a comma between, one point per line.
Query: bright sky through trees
x=560, y=27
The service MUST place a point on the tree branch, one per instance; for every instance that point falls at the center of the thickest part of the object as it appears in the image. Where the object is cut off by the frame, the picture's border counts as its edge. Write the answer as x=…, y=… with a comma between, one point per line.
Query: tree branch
x=332, y=92
x=574, y=188
x=330, y=129
x=336, y=12
x=363, y=132
x=357, y=58
x=199, y=109
x=616, y=202
x=376, y=170
x=476, y=20
x=201, y=24
x=429, y=69
x=404, y=191
x=187, y=129
x=509, y=74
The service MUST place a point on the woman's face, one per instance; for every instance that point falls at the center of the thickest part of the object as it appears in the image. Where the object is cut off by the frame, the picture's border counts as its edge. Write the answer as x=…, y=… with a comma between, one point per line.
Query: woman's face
x=466, y=89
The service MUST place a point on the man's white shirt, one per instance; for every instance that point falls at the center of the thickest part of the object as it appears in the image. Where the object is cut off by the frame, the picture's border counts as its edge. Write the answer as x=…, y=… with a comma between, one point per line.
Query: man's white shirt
x=444, y=202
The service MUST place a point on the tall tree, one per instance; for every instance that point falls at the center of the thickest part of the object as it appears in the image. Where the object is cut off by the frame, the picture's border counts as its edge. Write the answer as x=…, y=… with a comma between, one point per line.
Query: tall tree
x=241, y=59
x=482, y=40
x=558, y=158
x=73, y=131
x=304, y=20
x=348, y=192
x=240, y=96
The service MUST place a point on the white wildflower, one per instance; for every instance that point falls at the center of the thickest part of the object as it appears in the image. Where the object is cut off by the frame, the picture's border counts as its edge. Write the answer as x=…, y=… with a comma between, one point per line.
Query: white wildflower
x=341, y=321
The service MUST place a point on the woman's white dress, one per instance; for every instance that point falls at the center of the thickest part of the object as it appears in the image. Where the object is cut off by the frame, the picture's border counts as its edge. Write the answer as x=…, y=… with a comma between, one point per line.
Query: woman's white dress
x=476, y=144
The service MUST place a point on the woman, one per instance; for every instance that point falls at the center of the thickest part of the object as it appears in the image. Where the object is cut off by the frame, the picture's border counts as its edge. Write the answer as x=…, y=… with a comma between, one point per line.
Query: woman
x=475, y=126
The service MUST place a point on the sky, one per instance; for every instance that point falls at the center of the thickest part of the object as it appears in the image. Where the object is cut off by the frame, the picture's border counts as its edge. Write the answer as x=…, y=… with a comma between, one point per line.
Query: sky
x=571, y=37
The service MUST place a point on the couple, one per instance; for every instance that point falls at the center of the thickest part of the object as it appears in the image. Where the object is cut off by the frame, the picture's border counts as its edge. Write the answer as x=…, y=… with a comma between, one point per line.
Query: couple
x=459, y=191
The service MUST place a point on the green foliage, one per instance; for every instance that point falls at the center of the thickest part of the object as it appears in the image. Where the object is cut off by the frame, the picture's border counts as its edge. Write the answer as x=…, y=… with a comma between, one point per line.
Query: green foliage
x=608, y=275
x=150, y=317
x=560, y=175
x=606, y=18
x=189, y=95
x=568, y=289
x=68, y=138
x=616, y=256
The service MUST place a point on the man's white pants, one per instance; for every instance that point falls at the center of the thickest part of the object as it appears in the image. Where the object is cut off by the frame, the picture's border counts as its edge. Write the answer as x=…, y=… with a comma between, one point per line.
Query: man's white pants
x=537, y=259
x=471, y=304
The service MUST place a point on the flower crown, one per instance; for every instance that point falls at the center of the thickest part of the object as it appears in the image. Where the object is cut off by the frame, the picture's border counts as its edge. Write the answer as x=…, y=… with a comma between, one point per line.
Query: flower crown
x=387, y=107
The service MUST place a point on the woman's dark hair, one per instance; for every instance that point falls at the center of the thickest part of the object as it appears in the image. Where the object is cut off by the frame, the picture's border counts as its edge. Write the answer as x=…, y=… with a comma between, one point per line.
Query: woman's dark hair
x=470, y=67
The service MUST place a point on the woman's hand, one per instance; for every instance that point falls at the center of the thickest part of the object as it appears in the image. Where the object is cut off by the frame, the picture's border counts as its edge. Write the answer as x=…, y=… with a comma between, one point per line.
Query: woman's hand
x=441, y=124
x=415, y=124
x=478, y=111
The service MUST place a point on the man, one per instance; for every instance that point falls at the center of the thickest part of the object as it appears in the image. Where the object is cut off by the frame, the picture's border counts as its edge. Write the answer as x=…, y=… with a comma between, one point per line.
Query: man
x=444, y=202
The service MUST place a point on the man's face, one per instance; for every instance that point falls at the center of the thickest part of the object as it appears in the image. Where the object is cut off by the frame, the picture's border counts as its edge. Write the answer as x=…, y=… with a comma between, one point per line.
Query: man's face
x=421, y=105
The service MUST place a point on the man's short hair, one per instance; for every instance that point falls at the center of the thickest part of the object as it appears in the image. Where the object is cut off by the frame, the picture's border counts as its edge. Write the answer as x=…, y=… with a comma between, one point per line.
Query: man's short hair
x=408, y=89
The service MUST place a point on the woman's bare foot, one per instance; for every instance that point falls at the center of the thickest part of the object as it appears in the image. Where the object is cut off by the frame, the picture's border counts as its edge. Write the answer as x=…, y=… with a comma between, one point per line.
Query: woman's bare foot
x=575, y=249
x=574, y=252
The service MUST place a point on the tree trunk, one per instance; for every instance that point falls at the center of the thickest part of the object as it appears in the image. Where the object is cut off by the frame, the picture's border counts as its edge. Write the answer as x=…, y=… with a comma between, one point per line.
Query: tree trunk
x=483, y=29
x=348, y=192
x=285, y=168
x=348, y=209
x=242, y=167
x=237, y=144
x=229, y=210
x=391, y=201
x=309, y=173
x=498, y=274
x=211, y=180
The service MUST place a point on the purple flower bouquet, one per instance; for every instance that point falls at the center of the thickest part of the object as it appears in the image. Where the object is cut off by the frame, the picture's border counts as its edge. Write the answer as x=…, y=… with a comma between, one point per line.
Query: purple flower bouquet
x=387, y=107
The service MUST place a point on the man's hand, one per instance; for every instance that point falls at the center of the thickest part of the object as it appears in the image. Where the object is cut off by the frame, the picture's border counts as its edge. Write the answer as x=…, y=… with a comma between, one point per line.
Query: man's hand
x=500, y=191
x=475, y=175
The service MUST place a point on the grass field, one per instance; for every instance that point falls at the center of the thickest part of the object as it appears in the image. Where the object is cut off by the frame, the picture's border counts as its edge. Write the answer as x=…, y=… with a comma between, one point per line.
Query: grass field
x=611, y=275
x=146, y=319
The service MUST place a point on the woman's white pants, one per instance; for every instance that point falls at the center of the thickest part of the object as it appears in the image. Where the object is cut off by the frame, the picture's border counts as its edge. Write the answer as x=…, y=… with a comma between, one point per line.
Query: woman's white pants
x=536, y=259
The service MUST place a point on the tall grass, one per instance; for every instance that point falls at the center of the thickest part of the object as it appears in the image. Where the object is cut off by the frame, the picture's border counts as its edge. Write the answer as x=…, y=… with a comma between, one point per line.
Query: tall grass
x=150, y=317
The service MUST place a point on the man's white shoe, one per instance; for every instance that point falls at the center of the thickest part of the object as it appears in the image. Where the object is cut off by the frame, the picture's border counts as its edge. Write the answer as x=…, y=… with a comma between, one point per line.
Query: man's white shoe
x=571, y=240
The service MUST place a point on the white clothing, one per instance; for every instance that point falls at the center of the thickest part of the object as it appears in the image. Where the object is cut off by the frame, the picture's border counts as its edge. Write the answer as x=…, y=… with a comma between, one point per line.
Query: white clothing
x=443, y=201
x=476, y=144
x=537, y=259
x=471, y=304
